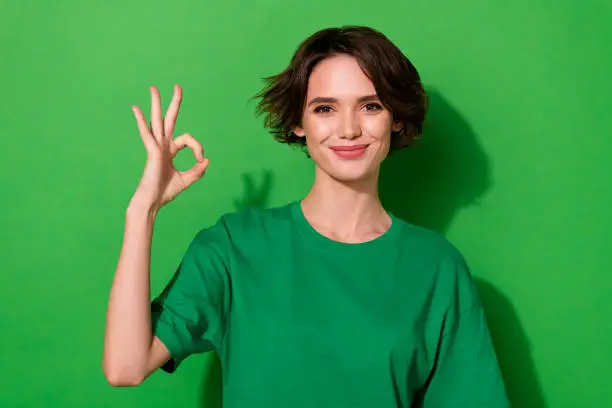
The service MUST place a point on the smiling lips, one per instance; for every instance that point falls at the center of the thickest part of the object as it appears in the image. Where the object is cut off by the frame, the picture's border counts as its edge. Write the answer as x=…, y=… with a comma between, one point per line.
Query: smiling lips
x=350, y=152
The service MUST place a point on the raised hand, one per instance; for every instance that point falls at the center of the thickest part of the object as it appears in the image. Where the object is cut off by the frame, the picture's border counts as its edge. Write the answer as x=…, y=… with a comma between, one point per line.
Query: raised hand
x=161, y=182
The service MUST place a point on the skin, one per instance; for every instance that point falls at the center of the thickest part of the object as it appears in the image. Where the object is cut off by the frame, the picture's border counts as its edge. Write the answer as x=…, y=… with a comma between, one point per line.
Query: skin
x=342, y=109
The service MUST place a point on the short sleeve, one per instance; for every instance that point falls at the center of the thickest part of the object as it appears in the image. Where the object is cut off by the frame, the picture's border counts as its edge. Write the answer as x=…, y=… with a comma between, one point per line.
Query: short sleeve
x=189, y=315
x=466, y=371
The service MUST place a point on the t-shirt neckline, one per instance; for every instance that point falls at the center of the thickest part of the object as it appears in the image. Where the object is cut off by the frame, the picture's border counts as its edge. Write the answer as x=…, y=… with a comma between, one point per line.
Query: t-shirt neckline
x=304, y=225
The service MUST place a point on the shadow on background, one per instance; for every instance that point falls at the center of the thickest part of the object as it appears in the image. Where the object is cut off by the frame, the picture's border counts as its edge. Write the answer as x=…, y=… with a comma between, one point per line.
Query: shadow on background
x=513, y=348
x=443, y=172
x=212, y=383
x=256, y=194
x=427, y=185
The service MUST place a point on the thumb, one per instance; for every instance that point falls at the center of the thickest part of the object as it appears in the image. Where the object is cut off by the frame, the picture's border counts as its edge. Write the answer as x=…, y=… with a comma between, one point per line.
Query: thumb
x=196, y=172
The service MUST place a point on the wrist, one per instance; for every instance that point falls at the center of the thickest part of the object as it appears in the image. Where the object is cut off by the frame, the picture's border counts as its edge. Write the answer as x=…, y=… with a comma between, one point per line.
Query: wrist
x=139, y=207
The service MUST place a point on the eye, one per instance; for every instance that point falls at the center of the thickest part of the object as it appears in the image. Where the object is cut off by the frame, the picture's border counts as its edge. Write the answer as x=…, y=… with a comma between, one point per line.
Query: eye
x=373, y=107
x=322, y=109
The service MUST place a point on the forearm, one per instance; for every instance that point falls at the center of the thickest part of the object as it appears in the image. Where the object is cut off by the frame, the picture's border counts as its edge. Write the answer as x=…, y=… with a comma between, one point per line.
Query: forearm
x=128, y=334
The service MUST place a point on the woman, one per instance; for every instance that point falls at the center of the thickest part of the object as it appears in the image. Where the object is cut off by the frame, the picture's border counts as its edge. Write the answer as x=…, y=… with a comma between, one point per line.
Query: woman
x=329, y=301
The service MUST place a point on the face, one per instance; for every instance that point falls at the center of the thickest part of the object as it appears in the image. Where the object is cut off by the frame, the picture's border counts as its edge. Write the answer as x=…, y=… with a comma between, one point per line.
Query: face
x=347, y=128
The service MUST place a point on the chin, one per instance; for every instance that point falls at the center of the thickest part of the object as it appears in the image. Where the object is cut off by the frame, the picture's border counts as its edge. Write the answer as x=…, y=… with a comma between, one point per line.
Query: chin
x=350, y=172
x=352, y=178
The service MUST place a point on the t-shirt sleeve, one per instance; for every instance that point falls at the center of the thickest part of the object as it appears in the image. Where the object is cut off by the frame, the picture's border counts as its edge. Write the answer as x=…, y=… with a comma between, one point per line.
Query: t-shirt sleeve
x=189, y=315
x=466, y=371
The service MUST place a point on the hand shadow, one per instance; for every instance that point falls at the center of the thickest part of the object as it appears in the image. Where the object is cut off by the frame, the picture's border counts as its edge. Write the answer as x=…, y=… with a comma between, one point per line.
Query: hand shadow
x=256, y=194
x=427, y=185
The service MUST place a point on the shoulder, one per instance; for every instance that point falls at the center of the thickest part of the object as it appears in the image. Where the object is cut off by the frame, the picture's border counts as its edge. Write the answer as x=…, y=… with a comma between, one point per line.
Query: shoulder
x=255, y=220
x=245, y=224
x=429, y=244
x=256, y=217
x=441, y=264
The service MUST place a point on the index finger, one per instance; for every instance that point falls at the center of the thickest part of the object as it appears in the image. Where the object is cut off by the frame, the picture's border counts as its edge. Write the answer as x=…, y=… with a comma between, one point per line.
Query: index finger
x=145, y=134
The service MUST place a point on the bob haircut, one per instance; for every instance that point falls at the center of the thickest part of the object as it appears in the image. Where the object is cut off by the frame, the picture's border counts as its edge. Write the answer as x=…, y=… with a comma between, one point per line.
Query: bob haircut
x=397, y=83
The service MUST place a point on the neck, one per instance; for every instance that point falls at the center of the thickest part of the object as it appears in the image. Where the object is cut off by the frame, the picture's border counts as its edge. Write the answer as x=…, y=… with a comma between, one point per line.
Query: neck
x=346, y=211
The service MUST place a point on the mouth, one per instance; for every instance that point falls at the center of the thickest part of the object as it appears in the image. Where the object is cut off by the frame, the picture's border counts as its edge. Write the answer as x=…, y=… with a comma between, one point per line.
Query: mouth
x=350, y=152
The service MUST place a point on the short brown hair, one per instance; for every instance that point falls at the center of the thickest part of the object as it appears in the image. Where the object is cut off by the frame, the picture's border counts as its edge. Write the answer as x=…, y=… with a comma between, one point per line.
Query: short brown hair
x=395, y=79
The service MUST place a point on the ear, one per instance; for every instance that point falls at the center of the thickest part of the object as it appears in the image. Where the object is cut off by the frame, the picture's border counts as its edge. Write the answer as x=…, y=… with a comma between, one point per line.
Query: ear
x=397, y=126
x=298, y=131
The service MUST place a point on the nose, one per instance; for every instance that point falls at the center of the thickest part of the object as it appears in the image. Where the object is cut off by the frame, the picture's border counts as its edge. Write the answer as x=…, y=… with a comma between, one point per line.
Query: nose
x=350, y=128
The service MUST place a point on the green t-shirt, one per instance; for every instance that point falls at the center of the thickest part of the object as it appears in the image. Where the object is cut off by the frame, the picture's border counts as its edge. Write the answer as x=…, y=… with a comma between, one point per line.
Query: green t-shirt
x=300, y=320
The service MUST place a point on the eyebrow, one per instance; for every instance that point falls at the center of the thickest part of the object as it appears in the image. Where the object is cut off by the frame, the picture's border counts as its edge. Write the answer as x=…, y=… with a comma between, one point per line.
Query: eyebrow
x=324, y=99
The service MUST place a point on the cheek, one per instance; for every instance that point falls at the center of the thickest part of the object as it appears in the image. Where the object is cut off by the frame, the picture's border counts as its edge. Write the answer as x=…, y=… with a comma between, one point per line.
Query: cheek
x=378, y=127
x=318, y=130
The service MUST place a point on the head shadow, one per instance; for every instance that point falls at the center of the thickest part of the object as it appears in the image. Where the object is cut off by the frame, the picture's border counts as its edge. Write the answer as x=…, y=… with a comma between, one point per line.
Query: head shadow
x=444, y=171
x=427, y=185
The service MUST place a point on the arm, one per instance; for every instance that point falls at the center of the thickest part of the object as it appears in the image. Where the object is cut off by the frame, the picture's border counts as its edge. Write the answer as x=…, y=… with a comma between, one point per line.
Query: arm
x=131, y=353
x=465, y=372
x=188, y=317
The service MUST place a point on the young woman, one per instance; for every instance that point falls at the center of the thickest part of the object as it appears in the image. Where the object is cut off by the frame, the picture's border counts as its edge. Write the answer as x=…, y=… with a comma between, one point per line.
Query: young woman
x=328, y=301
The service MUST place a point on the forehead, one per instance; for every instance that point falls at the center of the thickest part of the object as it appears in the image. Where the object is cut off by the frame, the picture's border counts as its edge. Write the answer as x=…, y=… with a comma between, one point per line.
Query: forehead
x=340, y=77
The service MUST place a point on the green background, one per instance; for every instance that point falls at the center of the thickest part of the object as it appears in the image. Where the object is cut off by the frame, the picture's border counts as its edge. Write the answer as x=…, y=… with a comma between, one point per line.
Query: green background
x=514, y=169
